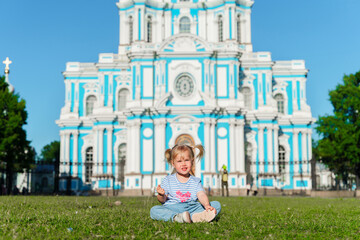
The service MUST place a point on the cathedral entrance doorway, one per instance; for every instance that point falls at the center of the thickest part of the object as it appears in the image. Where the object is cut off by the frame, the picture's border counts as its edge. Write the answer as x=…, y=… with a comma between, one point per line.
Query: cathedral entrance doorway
x=187, y=140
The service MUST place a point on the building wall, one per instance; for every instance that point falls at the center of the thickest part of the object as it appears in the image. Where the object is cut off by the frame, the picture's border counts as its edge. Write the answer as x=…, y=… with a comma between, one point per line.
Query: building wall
x=209, y=104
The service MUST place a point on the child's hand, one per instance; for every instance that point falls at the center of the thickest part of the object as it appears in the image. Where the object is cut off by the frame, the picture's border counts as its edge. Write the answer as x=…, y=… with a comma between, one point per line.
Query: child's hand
x=210, y=208
x=160, y=190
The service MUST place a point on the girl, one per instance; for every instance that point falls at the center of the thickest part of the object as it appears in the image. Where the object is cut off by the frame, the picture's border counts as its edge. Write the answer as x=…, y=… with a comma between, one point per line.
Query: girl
x=180, y=191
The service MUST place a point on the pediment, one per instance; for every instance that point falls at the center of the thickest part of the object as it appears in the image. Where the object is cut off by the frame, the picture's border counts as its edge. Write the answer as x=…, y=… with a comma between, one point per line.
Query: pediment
x=91, y=85
x=184, y=43
x=124, y=77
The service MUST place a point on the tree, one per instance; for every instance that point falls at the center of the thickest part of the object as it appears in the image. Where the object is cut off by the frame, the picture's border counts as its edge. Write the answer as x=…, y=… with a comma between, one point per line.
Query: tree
x=339, y=146
x=50, y=153
x=16, y=154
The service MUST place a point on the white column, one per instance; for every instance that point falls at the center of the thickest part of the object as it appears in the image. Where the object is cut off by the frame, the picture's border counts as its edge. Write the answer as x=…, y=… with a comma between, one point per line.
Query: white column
x=233, y=21
x=296, y=151
x=160, y=145
x=96, y=150
x=270, y=150
x=101, y=151
x=207, y=73
x=76, y=98
x=62, y=152
x=309, y=149
x=240, y=147
x=213, y=76
x=137, y=86
x=212, y=147
x=67, y=153
x=136, y=142
x=109, y=150
x=102, y=94
x=129, y=149
x=75, y=154
x=232, y=145
x=226, y=24
x=110, y=91
x=304, y=157
x=136, y=24
x=261, y=148
x=207, y=144
x=68, y=95
x=276, y=148
x=232, y=85
x=163, y=75
x=142, y=23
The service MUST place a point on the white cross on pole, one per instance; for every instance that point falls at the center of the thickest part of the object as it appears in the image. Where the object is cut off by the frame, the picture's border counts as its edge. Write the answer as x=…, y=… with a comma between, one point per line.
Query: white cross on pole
x=7, y=62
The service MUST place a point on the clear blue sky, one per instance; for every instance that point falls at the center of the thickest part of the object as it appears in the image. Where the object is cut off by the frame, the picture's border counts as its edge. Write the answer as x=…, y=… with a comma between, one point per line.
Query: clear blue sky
x=40, y=36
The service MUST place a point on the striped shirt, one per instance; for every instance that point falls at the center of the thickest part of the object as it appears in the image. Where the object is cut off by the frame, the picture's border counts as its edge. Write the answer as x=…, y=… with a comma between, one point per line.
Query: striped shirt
x=178, y=192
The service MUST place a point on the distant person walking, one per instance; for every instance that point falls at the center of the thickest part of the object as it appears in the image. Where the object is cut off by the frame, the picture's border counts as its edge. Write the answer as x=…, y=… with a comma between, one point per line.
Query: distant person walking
x=254, y=189
x=224, y=181
x=248, y=187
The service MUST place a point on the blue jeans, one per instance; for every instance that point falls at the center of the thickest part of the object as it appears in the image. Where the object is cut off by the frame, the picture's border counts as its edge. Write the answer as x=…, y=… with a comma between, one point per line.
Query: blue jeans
x=167, y=213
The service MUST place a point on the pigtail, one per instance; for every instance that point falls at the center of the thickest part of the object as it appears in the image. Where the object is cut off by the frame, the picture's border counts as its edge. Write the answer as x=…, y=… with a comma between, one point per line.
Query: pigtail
x=168, y=155
x=201, y=151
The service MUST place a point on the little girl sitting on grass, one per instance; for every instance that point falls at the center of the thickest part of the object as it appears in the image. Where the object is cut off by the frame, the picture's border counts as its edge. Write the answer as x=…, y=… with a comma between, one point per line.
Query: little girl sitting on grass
x=180, y=191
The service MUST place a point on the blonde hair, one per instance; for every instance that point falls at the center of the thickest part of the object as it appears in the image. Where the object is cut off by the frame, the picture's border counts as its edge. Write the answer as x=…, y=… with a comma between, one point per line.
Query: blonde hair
x=171, y=153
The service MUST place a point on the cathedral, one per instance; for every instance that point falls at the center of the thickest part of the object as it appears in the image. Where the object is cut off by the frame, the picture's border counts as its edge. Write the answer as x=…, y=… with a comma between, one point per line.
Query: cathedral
x=185, y=72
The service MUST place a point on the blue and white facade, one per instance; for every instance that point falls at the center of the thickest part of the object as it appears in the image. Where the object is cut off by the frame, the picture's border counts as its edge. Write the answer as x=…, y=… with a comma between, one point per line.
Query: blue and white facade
x=186, y=71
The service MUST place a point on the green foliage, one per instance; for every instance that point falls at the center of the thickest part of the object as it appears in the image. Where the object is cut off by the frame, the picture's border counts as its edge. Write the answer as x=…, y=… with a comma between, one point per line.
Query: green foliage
x=51, y=152
x=28, y=217
x=15, y=151
x=339, y=147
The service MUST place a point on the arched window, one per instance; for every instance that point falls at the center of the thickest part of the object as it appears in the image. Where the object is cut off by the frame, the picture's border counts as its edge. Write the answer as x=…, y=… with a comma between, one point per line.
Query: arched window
x=149, y=29
x=122, y=99
x=131, y=29
x=280, y=102
x=247, y=98
x=88, y=164
x=220, y=28
x=90, y=103
x=122, y=162
x=238, y=27
x=184, y=25
x=281, y=160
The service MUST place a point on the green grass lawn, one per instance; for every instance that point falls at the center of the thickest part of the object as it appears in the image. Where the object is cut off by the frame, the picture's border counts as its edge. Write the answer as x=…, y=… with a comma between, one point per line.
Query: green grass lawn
x=32, y=217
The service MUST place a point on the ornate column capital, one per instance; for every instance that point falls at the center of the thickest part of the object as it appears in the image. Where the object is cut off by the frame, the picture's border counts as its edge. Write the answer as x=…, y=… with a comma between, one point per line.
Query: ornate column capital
x=207, y=121
x=232, y=122
x=75, y=132
x=109, y=128
x=240, y=122
x=296, y=131
x=160, y=121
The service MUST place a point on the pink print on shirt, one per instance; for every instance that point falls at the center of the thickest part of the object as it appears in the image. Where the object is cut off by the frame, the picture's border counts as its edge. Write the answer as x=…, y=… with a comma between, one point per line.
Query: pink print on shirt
x=183, y=196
